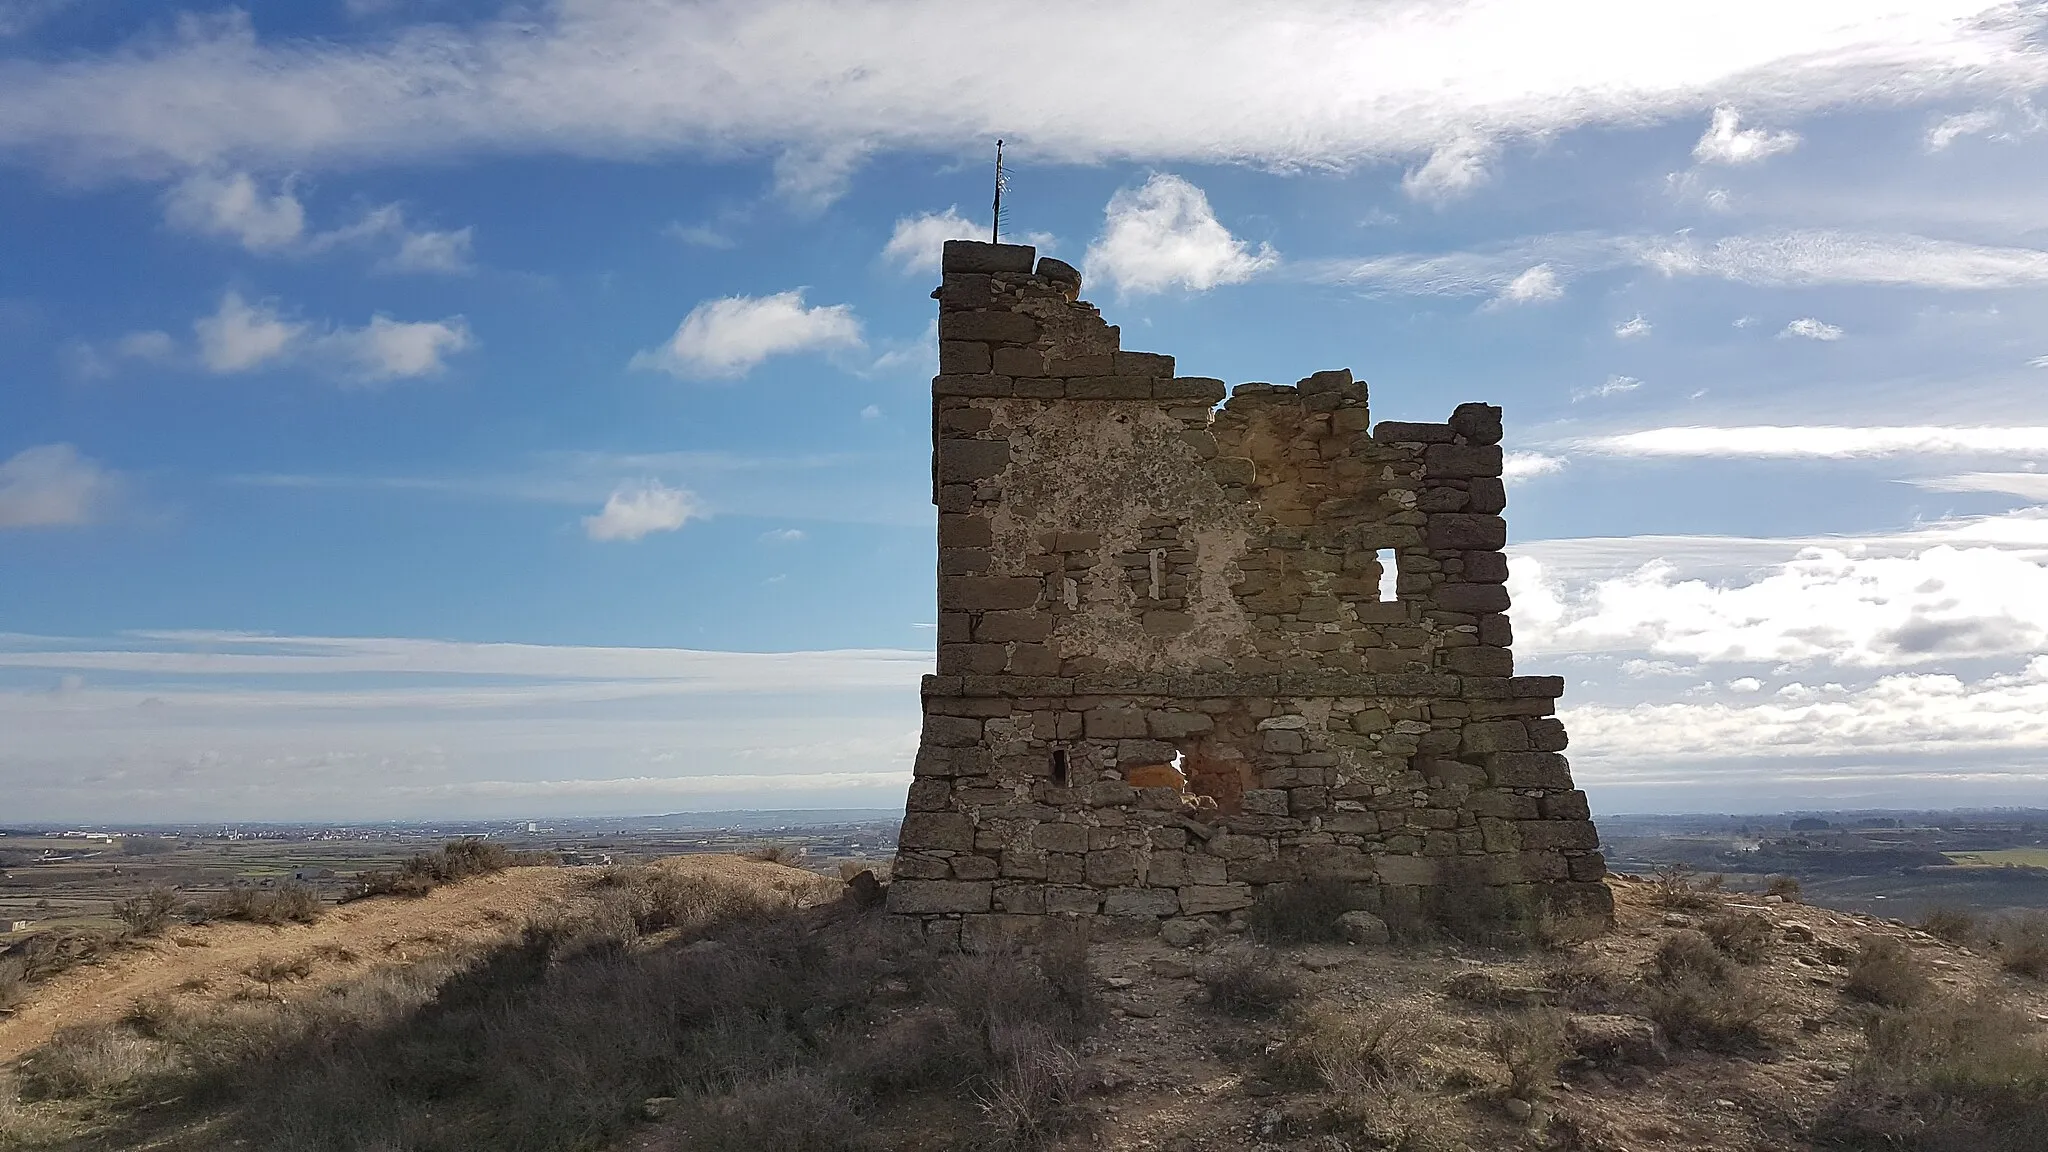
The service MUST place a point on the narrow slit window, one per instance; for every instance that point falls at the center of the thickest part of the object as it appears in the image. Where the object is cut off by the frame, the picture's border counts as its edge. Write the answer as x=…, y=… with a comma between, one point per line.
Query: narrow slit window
x=1390, y=574
x=1060, y=770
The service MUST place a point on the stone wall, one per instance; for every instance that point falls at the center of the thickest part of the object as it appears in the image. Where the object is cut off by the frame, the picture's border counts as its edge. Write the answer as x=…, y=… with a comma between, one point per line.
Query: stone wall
x=1167, y=675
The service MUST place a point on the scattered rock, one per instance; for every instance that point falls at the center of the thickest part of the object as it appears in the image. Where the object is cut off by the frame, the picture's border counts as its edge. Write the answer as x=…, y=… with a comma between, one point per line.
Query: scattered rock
x=1796, y=932
x=1318, y=963
x=1677, y=920
x=1517, y=1108
x=704, y=948
x=1141, y=1011
x=1186, y=933
x=864, y=891
x=1774, y=899
x=1363, y=928
x=656, y=1107
x=1118, y=981
x=1614, y=1039
x=1172, y=968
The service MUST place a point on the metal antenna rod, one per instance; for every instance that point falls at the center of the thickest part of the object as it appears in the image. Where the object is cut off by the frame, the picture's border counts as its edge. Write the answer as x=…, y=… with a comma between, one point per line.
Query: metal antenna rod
x=995, y=224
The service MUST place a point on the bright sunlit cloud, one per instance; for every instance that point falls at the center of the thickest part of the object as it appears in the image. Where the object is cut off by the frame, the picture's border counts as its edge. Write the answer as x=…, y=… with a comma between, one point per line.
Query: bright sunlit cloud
x=1164, y=235
x=726, y=339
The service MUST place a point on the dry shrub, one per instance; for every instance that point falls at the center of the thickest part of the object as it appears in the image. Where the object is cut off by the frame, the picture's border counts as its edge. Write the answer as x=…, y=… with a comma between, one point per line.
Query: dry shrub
x=1583, y=984
x=1785, y=888
x=791, y=1113
x=1884, y=972
x=1945, y=1076
x=994, y=992
x=1746, y=936
x=1346, y=1051
x=270, y=971
x=1698, y=996
x=284, y=904
x=789, y=855
x=13, y=984
x=1302, y=912
x=450, y=864
x=150, y=913
x=1677, y=888
x=1531, y=1046
x=2021, y=939
x=1036, y=1081
x=653, y=899
x=90, y=1061
x=1955, y=925
x=1250, y=984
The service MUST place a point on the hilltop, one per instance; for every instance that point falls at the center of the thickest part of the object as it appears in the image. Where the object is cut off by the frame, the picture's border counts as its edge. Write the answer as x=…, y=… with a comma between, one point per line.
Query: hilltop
x=724, y=1002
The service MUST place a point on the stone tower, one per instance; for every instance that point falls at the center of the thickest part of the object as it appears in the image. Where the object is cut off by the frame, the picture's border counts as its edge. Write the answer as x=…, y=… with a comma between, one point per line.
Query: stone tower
x=1188, y=651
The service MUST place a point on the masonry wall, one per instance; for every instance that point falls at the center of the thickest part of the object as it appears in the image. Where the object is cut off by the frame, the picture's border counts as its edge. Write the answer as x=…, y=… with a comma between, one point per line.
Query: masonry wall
x=1167, y=675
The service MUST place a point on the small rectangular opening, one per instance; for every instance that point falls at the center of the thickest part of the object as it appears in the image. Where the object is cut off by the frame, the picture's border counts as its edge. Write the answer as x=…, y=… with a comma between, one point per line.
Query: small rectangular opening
x=1059, y=768
x=1390, y=574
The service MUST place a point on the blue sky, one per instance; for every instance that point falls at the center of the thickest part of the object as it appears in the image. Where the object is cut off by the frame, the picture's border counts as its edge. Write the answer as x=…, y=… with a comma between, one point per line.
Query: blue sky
x=439, y=409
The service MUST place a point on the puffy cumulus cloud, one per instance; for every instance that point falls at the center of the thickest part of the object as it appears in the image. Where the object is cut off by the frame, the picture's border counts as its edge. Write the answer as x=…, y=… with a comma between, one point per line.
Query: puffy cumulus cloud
x=235, y=207
x=1307, y=83
x=241, y=336
x=1808, y=328
x=1453, y=170
x=1163, y=234
x=633, y=511
x=729, y=337
x=1534, y=285
x=244, y=337
x=1818, y=441
x=388, y=349
x=919, y=241
x=232, y=206
x=53, y=486
x=2018, y=118
x=1727, y=142
x=1940, y=603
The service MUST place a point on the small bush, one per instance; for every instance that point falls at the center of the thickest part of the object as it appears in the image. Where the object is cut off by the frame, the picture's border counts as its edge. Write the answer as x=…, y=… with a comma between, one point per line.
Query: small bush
x=1029, y=1100
x=1746, y=936
x=1302, y=912
x=1944, y=1076
x=150, y=913
x=13, y=984
x=270, y=971
x=47, y=954
x=790, y=855
x=2022, y=943
x=1250, y=985
x=1531, y=1046
x=794, y=1113
x=450, y=864
x=89, y=1060
x=1954, y=925
x=284, y=904
x=1689, y=953
x=1786, y=888
x=1677, y=889
x=1698, y=996
x=1884, y=972
x=1345, y=1052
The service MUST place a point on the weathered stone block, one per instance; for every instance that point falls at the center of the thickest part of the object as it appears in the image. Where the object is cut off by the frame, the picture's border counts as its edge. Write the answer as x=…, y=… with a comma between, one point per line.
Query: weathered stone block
x=989, y=593
x=966, y=461
x=1480, y=660
x=1405, y=870
x=1547, y=734
x=1566, y=806
x=1478, y=423
x=941, y=830
x=1473, y=598
x=1199, y=900
x=1403, y=432
x=937, y=896
x=1465, y=530
x=1461, y=461
x=1494, y=736
x=1486, y=494
x=1265, y=801
x=1060, y=900
x=1140, y=902
x=1114, y=723
x=976, y=256
x=1111, y=866
x=1558, y=835
x=991, y=327
x=1060, y=837
x=1528, y=770
x=963, y=358
x=975, y=868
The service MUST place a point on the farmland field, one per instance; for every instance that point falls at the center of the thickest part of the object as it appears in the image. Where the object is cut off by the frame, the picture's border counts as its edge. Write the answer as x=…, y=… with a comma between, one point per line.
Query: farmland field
x=2003, y=858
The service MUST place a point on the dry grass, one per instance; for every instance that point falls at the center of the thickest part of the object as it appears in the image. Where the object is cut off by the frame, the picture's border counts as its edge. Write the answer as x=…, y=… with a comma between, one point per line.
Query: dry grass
x=1678, y=888
x=772, y=1026
x=150, y=913
x=1945, y=1076
x=1884, y=972
x=284, y=904
x=450, y=864
x=2021, y=939
x=1250, y=984
x=1746, y=936
x=1698, y=996
x=1954, y=925
x=1785, y=888
x=1531, y=1047
x=1302, y=912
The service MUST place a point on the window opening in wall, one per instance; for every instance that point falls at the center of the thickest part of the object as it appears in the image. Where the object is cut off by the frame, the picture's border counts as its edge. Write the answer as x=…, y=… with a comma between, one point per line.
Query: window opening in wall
x=1390, y=574
x=1061, y=770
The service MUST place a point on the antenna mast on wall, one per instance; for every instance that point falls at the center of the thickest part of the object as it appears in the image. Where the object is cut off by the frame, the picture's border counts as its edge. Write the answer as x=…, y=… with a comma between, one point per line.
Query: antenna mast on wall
x=995, y=226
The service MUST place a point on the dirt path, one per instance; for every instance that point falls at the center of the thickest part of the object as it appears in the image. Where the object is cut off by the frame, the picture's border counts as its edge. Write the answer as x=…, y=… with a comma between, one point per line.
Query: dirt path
x=344, y=942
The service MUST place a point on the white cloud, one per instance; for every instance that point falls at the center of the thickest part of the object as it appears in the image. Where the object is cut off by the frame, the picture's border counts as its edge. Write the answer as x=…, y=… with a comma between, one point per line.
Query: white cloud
x=1949, y=128
x=1808, y=328
x=871, y=412
x=1163, y=234
x=811, y=176
x=241, y=336
x=1825, y=605
x=1534, y=285
x=52, y=486
x=728, y=337
x=1454, y=169
x=1632, y=328
x=388, y=349
x=782, y=536
x=1612, y=386
x=1773, y=259
x=1818, y=441
x=1528, y=465
x=447, y=252
x=1726, y=142
x=2038, y=362
x=2028, y=485
x=1746, y=685
x=232, y=206
x=919, y=241
x=633, y=511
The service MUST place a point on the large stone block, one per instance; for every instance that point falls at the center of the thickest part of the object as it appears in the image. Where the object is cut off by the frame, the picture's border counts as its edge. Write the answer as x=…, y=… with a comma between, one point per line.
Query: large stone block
x=1528, y=770
x=1403, y=432
x=930, y=897
x=1461, y=461
x=1466, y=530
x=966, y=461
x=1114, y=723
x=977, y=256
x=952, y=731
x=1060, y=837
x=1478, y=423
x=1494, y=736
x=989, y=593
x=937, y=830
x=1472, y=598
x=1198, y=900
x=1061, y=900
x=1558, y=835
x=992, y=327
x=1480, y=660
x=1140, y=902
x=1114, y=866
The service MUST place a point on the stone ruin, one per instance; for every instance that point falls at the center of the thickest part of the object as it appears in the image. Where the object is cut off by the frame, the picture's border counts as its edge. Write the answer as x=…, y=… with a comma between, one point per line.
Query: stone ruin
x=1188, y=651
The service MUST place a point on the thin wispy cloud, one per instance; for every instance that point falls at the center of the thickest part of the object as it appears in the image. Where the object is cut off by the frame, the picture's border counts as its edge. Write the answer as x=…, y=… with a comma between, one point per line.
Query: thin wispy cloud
x=1818, y=442
x=1808, y=328
x=1612, y=386
x=1533, y=286
x=1632, y=328
x=54, y=486
x=244, y=336
x=272, y=221
x=1727, y=142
